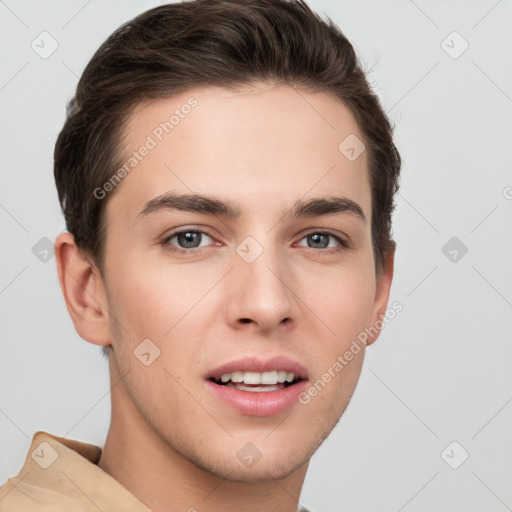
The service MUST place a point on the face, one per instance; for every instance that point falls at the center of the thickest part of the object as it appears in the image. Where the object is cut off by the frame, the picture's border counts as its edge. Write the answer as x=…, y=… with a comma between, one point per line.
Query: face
x=268, y=278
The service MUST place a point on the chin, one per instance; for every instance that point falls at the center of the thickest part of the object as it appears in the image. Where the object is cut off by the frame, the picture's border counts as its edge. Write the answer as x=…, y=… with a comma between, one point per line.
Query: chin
x=269, y=468
x=263, y=458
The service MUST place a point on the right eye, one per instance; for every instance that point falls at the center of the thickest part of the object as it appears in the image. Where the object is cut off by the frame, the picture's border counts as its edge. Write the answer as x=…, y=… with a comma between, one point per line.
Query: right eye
x=186, y=241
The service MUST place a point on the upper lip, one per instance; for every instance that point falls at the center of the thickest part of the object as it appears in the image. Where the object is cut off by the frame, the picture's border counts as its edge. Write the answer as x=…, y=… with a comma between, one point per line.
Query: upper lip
x=255, y=364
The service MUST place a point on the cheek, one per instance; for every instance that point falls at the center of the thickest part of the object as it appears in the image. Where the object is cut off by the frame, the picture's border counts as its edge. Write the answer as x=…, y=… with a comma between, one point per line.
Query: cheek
x=342, y=299
x=161, y=301
x=136, y=303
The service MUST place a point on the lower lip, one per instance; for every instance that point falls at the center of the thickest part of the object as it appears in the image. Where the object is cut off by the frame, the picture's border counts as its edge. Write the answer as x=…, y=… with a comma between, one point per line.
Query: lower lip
x=258, y=403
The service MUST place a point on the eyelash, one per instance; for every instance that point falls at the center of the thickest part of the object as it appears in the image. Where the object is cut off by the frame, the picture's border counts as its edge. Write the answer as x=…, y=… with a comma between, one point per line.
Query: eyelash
x=186, y=252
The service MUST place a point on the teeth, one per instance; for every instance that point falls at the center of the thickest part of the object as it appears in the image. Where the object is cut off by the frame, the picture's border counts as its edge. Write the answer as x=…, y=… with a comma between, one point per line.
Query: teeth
x=255, y=389
x=266, y=378
x=252, y=378
x=236, y=376
x=281, y=376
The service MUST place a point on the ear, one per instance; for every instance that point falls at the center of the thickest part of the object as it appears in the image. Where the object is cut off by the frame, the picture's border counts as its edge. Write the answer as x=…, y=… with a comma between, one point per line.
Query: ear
x=380, y=303
x=84, y=291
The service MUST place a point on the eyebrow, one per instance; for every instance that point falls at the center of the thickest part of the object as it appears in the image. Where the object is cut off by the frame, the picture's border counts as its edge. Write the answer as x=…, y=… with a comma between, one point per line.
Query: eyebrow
x=214, y=206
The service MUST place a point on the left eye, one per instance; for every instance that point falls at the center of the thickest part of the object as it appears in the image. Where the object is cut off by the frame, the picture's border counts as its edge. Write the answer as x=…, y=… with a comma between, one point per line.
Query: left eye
x=189, y=239
x=322, y=240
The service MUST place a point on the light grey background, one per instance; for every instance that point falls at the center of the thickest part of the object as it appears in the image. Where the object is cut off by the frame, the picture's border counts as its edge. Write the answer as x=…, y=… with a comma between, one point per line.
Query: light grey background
x=439, y=373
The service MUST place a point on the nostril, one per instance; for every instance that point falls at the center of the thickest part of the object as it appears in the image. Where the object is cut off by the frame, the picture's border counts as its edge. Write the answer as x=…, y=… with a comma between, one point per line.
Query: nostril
x=245, y=320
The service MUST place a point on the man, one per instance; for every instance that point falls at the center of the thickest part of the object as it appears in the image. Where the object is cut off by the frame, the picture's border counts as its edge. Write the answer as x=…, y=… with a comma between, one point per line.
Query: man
x=227, y=178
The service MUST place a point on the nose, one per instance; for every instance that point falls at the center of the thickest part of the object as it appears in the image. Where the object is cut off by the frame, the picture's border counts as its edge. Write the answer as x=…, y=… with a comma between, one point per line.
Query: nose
x=261, y=295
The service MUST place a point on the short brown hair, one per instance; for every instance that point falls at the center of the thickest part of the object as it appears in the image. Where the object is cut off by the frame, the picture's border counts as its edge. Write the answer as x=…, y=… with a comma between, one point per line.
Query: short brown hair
x=173, y=48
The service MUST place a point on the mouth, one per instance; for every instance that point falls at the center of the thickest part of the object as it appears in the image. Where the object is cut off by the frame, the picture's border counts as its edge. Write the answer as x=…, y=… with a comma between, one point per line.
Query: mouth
x=256, y=387
x=257, y=382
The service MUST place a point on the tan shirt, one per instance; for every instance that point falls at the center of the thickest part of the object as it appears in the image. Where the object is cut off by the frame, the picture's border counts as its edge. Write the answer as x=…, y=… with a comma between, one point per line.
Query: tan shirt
x=61, y=475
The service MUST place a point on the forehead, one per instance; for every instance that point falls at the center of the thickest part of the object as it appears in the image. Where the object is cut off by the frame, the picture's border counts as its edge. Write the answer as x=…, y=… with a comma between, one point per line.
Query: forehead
x=257, y=142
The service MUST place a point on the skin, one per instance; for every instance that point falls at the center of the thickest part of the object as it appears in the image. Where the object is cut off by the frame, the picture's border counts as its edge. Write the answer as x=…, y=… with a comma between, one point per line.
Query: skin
x=171, y=443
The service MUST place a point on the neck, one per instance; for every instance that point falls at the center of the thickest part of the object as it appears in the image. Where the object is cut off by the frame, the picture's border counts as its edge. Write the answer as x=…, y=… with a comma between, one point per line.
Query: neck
x=166, y=481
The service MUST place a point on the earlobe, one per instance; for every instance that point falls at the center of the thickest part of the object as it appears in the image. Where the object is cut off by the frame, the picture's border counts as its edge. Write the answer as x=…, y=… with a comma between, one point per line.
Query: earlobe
x=83, y=290
x=381, y=296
